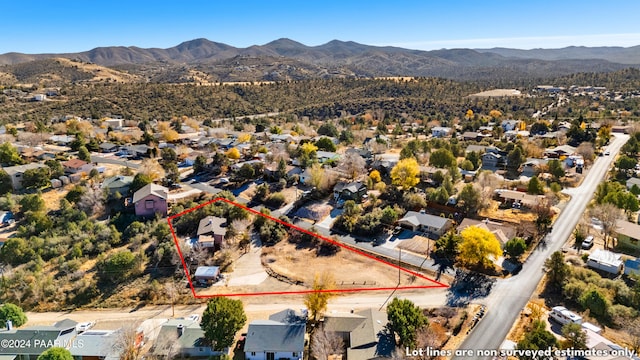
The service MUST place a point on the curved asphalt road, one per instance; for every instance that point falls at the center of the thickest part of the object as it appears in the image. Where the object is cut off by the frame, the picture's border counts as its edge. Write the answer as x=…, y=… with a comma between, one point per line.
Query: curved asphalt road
x=510, y=296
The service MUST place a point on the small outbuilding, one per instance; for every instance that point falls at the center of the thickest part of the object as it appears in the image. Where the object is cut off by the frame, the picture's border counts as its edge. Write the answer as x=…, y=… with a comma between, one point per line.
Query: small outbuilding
x=207, y=274
x=606, y=261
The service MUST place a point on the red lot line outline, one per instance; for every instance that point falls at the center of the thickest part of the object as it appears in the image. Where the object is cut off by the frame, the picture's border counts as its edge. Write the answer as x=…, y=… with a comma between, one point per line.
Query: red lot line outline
x=436, y=285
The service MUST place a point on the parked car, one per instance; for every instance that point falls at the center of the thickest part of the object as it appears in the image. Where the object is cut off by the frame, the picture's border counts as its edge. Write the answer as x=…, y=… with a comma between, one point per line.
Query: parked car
x=587, y=243
x=84, y=326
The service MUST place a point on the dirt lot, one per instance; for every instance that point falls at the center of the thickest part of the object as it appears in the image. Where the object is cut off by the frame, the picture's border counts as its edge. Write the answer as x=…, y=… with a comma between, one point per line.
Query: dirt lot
x=497, y=93
x=510, y=215
x=346, y=267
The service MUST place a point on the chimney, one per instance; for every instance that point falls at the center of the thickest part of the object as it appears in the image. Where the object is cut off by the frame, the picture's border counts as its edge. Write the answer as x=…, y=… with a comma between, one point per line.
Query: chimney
x=180, y=329
x=9, y=325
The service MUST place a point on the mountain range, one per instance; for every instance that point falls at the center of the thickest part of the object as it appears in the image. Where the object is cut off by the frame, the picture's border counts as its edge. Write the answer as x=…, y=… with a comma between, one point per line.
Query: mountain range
x=285, y=59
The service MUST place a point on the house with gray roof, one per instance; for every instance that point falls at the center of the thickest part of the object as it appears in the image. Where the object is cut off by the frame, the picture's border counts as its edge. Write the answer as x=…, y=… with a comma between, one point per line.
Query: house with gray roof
x=117, y=184
x=633, y=181
x=354, y=190
x=98, y=344
x=211, y=232
x=37, y=339
x=183, y=337
x=421, y=221
x=151, y=200
x=108, y=147
x=17, y=173
x=273, y=340
x=363, y=333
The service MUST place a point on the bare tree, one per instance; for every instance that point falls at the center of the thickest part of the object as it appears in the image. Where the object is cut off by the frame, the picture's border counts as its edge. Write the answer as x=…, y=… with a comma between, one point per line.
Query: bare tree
x=632, y=327
x=326, y=343
x=587, y=151
x=32, y=139
x=92, y=201
x=609, y=215
x=488, y=182
x=151, y=168
x=353, y=165
x=127, y=342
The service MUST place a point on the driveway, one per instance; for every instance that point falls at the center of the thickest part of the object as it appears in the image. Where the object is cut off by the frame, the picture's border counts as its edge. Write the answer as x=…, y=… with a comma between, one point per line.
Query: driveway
x=247, y=270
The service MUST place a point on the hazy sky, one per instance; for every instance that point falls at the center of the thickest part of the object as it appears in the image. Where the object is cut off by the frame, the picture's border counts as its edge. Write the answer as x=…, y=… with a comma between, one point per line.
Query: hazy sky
x=36, y=26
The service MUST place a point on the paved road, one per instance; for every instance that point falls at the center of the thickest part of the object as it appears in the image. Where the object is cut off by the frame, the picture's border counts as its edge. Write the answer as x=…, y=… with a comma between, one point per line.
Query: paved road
x=511, y=295
x=114, y=160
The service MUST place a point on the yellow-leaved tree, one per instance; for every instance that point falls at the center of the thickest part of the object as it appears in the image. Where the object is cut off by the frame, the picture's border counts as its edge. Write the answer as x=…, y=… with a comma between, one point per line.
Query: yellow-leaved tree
x=406, y=173
x=478, y=247
x=233, y=154
x=495, y=113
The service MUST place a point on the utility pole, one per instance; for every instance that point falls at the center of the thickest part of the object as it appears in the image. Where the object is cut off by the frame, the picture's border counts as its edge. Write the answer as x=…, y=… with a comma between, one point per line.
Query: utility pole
x=399, y=258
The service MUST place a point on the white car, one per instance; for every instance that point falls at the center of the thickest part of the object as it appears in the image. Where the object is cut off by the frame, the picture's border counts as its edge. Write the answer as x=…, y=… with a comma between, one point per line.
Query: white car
x=193, y=317
x=84, y=326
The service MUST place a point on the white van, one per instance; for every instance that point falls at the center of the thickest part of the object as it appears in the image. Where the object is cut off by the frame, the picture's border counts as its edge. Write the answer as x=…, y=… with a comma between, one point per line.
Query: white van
x=563, y=316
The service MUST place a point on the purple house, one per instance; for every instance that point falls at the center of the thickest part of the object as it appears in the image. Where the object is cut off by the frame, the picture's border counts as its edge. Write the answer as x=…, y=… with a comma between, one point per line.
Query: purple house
x=151, y=200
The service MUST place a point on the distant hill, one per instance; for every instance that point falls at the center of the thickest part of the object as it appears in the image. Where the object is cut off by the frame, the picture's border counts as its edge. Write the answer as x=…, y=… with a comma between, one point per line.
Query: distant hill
x=621, y=55
x=58, y=71
x=202, y=60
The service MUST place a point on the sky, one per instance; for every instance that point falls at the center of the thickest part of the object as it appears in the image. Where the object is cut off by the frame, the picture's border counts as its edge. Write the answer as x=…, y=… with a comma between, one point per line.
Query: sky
x=38, y=26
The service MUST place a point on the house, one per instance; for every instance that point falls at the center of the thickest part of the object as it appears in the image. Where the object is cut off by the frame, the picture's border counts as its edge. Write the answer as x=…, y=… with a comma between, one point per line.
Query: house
x=324, y=156
x=493, y=160
x=115, y=124
x=628, y=234
x=185, y=338
x=502, y=231
x=633, y=181
x=136, y=151
x=560, y=152
x=151, y=200
x=271, y=171
x=280, y=337
x=117, y=184
x=36, y=339
x=532, y=167
x=421, y=221
x=349, y=191
x=525, y=199
x=207, y=274
x=606, y=261
x=470, y=135
x=364, y=333
x=17, y=173
x=509, y=125
x=76, y=166
x=211, y=232
x=253, y=163
x=305, y=176
x=98, y=344
x=440, y=131
x=108, y=147
x=63, y=140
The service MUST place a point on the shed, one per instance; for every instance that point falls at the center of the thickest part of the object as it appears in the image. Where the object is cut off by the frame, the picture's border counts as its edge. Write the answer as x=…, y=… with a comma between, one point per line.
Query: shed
x=209, y=274
x=65, y=180
x=606, y=261
x=55, y=183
